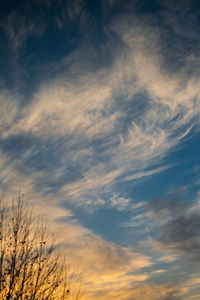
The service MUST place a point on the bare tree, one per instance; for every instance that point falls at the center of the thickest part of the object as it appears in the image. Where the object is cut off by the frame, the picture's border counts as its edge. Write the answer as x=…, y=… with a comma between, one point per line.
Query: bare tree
x=30, y=267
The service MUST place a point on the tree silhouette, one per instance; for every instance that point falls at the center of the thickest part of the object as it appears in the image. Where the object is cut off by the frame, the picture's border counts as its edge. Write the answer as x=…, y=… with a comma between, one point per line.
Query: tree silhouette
x=30, y=267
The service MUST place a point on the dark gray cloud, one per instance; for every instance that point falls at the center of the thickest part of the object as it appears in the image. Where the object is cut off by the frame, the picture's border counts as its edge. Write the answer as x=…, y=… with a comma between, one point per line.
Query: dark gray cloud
x=171, y=296
x=179, y=224
x=182, y=234
x=169, y=206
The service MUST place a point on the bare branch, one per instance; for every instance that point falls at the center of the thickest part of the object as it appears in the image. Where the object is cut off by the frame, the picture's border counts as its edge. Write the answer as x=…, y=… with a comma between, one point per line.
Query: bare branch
x=30, y=267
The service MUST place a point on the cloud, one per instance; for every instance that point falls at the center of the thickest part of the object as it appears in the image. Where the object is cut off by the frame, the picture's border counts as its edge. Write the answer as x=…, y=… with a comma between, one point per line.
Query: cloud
x=67, y=11
x=78, y=108
x=168, y=258
x=103, y=267
x=19, y=27
x=113, y=271
x=182, y=234
x=102, y=116
x=92, y=109
x=194, y=281
x=116, y=122
x=120, y=203
x=8, y=113
x=178, y=223
x=141, y=291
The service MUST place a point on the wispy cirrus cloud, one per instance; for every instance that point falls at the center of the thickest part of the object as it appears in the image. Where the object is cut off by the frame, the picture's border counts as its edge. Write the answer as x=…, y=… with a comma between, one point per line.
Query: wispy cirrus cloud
x=109, y=102
x=8, y=113
x=98, y=110
x=18, y=28
x=143, y=292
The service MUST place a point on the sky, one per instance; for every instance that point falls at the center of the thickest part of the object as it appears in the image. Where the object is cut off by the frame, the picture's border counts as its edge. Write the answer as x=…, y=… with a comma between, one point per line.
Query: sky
x=100, y=130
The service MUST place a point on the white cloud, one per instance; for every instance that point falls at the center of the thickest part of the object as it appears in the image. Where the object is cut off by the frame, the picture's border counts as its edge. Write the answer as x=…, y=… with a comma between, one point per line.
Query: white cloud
x=8, y=112
x=107, y=264
x=88, y=108
x=120, y=203
x=85, y=105
x=60, y=109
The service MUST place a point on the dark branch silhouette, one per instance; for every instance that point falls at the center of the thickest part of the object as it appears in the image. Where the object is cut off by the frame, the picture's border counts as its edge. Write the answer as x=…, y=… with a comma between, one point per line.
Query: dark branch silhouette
x=30, y=267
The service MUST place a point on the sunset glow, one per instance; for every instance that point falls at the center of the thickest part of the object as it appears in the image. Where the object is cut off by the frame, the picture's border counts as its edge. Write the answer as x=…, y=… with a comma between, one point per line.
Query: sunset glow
x=99, y=129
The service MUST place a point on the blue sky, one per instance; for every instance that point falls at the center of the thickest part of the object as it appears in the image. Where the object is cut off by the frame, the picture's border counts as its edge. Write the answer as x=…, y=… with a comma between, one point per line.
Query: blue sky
x=99, y=127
